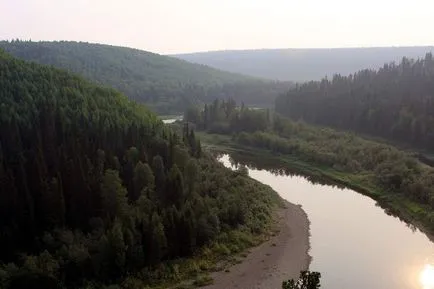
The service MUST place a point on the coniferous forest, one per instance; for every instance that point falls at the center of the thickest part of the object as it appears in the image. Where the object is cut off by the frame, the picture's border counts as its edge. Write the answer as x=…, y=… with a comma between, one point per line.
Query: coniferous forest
x=165, y=84
x=216, y=144
x=95, y=190
x=395, y=102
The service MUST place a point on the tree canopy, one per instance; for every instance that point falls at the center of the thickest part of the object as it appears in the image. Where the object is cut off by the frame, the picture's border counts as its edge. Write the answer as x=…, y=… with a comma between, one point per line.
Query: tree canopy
x=95, y=190
x=165, y=84
x=395, y=102
x=307, y=280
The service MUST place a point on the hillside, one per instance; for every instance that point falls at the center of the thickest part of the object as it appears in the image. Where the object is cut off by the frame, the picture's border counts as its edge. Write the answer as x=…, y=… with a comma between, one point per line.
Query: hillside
x=302, y=64
x=395, y=102
x=94, y=189
x=164, y=83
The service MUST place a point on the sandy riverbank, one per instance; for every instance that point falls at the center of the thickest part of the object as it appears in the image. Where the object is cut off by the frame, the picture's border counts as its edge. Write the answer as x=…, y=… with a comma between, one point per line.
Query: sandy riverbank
x=280, y=258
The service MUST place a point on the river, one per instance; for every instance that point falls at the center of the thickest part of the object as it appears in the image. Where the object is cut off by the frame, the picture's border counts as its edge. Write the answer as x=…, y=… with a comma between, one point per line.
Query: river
x=171, y=119
x=354, y=243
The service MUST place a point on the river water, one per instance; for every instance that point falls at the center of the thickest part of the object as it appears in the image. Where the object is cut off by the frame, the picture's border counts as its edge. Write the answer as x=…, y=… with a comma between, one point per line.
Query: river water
x=172, y=120
x=354, y=243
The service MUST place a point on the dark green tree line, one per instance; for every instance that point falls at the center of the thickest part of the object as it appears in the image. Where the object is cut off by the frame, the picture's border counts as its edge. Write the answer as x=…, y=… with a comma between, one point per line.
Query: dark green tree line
x=224, y=116
x=94, y=188
x=395, y=102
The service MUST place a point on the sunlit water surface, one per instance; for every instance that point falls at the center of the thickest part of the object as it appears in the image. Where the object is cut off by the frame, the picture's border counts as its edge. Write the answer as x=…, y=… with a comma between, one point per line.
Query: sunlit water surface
x=172, y=120
x=354, y=243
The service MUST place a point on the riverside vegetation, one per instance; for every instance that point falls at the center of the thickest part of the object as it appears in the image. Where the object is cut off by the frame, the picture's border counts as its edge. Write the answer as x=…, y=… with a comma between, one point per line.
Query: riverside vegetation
x=96, y=192
x=395, y=178
x=307, y=280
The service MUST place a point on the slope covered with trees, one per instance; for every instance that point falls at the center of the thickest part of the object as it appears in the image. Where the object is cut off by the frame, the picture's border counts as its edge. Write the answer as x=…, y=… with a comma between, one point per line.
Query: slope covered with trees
x=164, y=83
x=395, y=102
x=302, y=64
x=95, y=190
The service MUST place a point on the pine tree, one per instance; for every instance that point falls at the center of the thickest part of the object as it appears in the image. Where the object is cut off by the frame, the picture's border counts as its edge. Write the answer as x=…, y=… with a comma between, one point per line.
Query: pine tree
x=158, y=243
x=143, y=180
x=175, y=188
x=113, y=195
x=191, y=175
x=117, y=248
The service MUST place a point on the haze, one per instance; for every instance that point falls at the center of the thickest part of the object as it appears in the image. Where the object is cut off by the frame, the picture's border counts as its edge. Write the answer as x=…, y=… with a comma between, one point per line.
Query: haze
x=170, y=26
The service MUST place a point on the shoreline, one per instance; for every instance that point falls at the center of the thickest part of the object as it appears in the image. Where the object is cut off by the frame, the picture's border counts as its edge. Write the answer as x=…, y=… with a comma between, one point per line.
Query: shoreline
x=280, y=258
x=391, y=204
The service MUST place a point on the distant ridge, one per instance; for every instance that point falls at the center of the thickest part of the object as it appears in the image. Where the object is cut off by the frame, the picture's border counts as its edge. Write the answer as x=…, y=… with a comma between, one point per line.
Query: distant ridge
x=303, y=64
x=164, y=83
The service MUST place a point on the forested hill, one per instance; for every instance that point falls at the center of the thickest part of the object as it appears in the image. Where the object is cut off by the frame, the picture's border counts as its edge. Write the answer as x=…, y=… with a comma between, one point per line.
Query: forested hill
x=164, y=83
x=394, y=102
x=94, y=188
x=302, y=64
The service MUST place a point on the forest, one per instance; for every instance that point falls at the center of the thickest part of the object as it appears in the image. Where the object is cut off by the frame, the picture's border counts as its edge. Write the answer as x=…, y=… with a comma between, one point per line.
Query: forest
x=394, y=177
x=395, y=102
x=166, y=84
x=95, y=190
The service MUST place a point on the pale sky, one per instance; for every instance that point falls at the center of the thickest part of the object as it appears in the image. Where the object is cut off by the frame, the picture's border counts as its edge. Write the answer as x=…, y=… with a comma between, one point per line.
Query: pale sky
x=175, y=26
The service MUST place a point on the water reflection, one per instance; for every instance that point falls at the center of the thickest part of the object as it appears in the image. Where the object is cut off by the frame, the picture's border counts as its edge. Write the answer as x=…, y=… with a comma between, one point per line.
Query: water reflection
x=278, y=168
x=354, y=244
x=171, y=119
x=427, y=277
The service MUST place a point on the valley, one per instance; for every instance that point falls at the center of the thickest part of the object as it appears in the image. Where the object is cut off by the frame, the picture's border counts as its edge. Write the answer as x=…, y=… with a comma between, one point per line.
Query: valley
x=165, y=84
x=103, y=184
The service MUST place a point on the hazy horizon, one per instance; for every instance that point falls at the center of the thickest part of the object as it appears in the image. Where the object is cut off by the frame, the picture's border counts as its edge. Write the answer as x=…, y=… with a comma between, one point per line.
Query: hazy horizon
x=175, y=27
x=301, y=48
x=224, y=50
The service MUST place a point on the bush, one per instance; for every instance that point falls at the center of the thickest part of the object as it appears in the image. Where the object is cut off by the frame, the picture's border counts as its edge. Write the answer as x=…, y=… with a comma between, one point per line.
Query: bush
x=307, y=280
x=203, y=281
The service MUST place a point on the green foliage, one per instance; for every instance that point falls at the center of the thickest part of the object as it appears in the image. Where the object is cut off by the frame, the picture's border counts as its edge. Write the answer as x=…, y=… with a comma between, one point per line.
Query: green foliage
x=164, y=83
x=307, y=280
x=113, y=195
x=95, y=190
x=394, y=102
x=225, y=117
x=191, y=174
x=117, y=247
x=203, y=281
x=158, y=243
x=388, y=168
x=144, y=180
x=376, y=166
x=33, y=280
